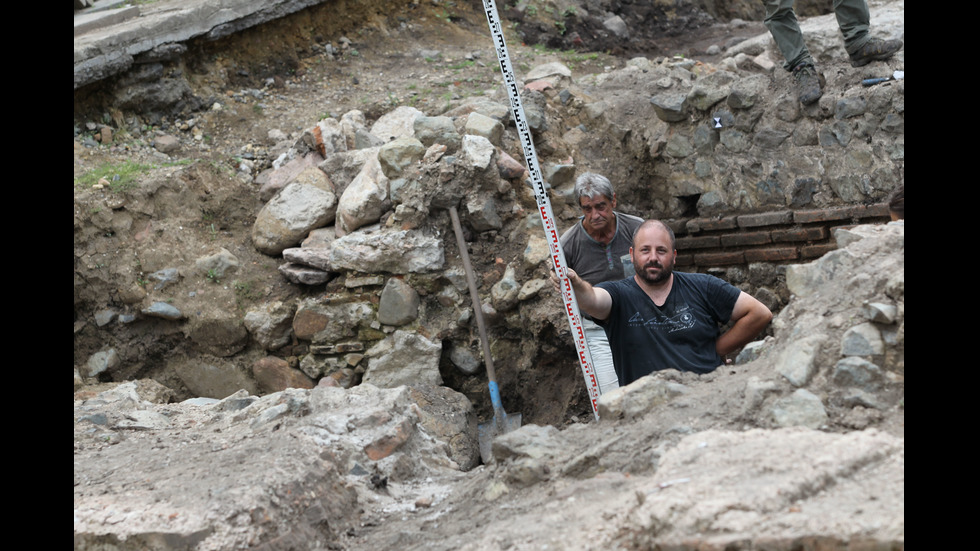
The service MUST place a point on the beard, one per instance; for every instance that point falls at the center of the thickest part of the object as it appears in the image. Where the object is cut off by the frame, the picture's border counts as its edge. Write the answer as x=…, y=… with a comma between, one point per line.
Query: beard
x=658, y=277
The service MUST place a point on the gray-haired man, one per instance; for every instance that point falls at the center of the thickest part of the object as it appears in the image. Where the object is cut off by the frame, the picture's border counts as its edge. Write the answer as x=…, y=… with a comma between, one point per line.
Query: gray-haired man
x=596, y=248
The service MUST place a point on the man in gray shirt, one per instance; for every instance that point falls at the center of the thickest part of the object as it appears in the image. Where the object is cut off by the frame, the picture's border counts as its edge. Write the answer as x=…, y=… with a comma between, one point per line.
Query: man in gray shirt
x=596, y=248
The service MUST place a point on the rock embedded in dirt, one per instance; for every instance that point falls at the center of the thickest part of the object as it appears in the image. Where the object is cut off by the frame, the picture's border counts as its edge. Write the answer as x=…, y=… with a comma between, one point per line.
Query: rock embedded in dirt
x=290, y=215
x=404, y=358
x=271, y=324
x=273, y=374
x=363, y=200
x=399, y=303
x=397, y=252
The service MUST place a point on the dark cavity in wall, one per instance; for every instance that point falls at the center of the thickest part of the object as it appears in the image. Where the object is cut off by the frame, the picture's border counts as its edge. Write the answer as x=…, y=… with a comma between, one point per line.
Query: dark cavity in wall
x=689, y=204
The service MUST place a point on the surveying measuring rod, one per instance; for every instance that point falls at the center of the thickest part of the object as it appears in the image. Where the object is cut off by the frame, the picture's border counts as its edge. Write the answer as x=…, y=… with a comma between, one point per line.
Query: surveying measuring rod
x=544, y=205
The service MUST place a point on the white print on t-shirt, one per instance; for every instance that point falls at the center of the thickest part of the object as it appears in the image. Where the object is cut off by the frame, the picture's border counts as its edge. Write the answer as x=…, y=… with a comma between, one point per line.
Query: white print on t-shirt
x=678, y=322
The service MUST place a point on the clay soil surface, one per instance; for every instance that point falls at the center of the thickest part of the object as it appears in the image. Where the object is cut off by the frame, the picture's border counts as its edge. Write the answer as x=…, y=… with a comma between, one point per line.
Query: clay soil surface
x=427, y=55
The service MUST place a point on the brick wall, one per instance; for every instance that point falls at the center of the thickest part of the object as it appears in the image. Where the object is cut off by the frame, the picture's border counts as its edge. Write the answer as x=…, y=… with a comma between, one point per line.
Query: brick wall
x=787, y=236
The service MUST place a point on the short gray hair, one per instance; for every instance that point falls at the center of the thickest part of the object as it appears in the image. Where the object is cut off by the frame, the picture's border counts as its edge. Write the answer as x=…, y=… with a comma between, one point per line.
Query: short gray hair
x=591, y=184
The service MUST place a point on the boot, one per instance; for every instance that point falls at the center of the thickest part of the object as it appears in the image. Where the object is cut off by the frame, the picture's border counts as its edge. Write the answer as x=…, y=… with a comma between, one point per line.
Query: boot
x=807, y=83
x=875, y=50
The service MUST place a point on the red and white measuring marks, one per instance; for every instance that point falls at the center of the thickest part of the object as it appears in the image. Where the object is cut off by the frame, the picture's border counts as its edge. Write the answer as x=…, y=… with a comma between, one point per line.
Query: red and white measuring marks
x=544, y=205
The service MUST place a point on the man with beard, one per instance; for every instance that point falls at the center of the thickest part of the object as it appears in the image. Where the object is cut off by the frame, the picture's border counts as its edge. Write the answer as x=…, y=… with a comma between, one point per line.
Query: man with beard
x=596, y=249
x=662, y=319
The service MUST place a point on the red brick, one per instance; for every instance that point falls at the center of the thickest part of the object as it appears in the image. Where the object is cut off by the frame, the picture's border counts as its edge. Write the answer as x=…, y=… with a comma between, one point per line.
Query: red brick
x=307, y=323
x=719, y=259
x=842, y=227
x=679, y=227
x=273, y=374
x=765, y=219
x=878, y=209
x=771, y=254
x=705, y=242
x=387, y=444
x=827, y=215
x=684, y=260
x=814, y=251
x=800, y=234
x=744, y=239
x=712, y=224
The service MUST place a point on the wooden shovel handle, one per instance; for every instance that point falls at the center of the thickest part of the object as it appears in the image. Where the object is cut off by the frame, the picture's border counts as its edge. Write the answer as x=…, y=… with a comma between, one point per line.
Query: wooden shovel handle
x=477, y=306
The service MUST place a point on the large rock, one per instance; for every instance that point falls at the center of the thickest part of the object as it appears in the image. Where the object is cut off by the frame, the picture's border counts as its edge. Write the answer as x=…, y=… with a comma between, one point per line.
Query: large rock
x=278, y=178
x=397, y=155
x=397, y=252
x=487, y=127
x=476, y=152
x=399, y=303
x=723, y=489
x=634, y=400
x=396, y=124
x=363, y=201
x=214, y=378
x=307, y=203
x=218, y=333
x=437, y=130
x=216, y=266
x=342, y=168
x=273, y=374
x=331, y=322
x=271, y=324
x=404, y=358
x=328, y=137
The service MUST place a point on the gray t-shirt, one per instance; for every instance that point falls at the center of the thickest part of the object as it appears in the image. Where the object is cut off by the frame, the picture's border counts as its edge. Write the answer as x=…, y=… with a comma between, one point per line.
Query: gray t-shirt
x=595, y=262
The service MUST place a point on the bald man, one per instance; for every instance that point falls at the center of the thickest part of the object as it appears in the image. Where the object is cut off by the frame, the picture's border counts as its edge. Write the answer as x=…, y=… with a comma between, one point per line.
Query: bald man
x=661, y=319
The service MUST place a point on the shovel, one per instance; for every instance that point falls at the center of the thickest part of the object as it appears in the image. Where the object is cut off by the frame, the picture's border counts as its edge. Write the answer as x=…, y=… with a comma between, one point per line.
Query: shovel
x=501, y=422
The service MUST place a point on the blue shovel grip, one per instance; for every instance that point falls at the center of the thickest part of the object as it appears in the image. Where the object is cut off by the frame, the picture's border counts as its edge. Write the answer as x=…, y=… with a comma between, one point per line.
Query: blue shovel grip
x=495, y=396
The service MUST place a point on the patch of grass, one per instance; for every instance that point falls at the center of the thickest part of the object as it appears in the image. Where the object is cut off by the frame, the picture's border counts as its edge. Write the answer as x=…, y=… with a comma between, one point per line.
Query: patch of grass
x=212, y=276
x=219, y=166
x=121, y=176
x=463, y=65
x=245, y=293
x=575, y=57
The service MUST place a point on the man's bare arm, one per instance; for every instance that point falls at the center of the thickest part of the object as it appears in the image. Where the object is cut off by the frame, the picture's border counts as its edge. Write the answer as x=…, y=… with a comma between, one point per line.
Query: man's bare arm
x=594, y=301
x=750, y=317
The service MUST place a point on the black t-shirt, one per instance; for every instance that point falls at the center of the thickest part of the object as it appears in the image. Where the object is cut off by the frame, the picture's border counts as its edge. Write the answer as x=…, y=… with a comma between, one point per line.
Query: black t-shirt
x=679, y=335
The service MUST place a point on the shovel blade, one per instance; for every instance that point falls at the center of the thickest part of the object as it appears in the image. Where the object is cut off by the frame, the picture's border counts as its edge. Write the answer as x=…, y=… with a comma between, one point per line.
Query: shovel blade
x=500, y=424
